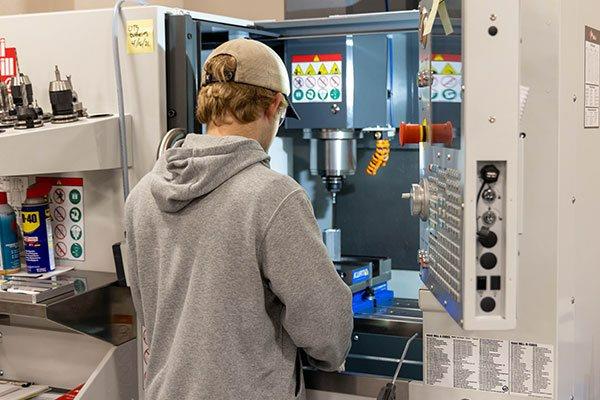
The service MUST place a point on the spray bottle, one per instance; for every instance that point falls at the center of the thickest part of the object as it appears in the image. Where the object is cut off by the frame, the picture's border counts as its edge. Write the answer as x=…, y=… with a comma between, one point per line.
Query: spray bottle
x=37, y=230
x=9, y=242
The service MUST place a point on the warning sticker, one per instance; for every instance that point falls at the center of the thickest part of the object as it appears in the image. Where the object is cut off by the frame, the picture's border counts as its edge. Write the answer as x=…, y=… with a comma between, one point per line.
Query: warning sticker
x=67, y=210
x=447, y=78
x=317, y=78
x=8, y=62
x=592, y=78
x=490, y=365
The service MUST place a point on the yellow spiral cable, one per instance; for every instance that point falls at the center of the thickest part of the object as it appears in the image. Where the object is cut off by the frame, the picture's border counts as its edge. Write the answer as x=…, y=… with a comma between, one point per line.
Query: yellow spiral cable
x=380, y=157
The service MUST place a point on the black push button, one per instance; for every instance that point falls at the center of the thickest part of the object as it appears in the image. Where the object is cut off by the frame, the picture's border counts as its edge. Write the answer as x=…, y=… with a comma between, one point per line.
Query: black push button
x=495, y=283
x=488, y=304
x=488, y=260
x=487, y=239
x=482, y=283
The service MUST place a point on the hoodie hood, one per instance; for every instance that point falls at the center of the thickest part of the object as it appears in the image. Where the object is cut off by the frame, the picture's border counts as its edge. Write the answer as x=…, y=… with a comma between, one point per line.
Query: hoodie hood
x=198, y=165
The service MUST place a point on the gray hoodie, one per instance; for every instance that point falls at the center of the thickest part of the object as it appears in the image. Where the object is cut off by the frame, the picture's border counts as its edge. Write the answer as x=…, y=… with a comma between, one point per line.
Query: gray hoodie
x=230, y=276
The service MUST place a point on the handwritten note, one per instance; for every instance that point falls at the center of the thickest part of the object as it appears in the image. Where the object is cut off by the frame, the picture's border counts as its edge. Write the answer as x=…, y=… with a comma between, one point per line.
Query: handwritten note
x=140, y=36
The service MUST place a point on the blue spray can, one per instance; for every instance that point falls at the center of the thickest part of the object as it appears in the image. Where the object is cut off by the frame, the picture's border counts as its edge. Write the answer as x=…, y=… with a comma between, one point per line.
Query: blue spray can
x=37, y=230
x=9, y=240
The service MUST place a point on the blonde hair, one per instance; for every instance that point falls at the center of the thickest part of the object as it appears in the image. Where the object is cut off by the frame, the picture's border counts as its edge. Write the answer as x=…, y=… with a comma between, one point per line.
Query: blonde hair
x=220, y=99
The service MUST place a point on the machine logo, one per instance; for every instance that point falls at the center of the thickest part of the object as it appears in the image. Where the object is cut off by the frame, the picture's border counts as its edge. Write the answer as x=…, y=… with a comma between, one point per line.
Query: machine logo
x=360, y=275
x=8, y=61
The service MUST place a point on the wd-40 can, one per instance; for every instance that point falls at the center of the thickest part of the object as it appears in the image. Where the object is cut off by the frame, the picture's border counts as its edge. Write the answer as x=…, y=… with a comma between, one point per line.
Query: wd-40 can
x=9, y=239
x=37, y=230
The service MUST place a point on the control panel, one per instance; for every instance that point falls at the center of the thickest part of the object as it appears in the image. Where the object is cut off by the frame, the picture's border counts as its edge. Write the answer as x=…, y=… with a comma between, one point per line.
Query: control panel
x=491, y=238
x=468, y=193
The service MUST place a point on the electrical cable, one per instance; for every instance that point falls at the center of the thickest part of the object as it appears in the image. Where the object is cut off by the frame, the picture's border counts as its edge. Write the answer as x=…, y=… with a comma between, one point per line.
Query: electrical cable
x=120, y=101
x=480, y=191
x=403, y=357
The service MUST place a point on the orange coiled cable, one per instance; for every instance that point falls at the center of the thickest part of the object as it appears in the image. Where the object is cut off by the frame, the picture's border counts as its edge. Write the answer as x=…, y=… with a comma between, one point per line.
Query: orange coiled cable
x=380, y=157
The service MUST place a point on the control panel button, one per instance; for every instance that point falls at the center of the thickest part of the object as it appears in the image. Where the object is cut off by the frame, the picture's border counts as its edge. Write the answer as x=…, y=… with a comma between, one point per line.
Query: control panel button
x=482, y=283
x=489, y=195
x=489, y=218
x=495, y=282
x=488, y=260
x=488, y=239
x=488, y=304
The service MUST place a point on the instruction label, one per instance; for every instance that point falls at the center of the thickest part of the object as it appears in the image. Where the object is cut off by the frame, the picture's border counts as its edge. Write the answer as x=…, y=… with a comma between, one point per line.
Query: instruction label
x=140, y=36
x=490, y=365
x=67, y=211
x=317, y=78
x=447, y=78
x=592, y=78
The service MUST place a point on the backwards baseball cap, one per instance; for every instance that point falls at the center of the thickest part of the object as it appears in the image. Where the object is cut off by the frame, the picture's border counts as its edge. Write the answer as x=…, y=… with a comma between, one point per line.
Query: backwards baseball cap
x=258, y=65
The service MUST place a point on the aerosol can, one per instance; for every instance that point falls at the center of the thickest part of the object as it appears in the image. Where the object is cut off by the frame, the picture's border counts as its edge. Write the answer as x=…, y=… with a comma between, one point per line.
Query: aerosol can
x=9, y=241
x=37, y=230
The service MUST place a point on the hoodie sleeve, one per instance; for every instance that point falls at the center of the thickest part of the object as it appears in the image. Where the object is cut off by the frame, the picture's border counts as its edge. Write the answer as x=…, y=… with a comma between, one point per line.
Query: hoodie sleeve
x=131, y=266
x=317, y=311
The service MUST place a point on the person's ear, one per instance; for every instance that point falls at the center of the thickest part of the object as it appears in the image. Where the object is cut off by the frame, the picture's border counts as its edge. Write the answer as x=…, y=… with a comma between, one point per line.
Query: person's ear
x=273, y=110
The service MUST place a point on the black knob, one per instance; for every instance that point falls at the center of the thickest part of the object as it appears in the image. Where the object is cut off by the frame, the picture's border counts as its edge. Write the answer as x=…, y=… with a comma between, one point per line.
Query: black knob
x=487, y=239
x=488, y=260
x=488, y=304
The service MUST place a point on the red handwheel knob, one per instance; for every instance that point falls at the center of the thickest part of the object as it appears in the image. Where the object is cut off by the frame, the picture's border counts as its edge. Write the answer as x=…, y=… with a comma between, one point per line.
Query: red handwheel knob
x=442, y=133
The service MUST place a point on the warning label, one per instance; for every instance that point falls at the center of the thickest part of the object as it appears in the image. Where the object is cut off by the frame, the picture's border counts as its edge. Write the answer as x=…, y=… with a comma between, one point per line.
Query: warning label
x=317, y=78
x=447, y=78
x=490, y=365
x=8, y=62
x=592, y=78
x=66, y=207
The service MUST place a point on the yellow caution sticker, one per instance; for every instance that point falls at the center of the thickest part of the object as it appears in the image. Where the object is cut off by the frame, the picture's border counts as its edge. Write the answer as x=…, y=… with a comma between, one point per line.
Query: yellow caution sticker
x=298, y=70
x=310, y=70
x=335, y=69
x=140, y=36
x=323, y=70
x=449, y=70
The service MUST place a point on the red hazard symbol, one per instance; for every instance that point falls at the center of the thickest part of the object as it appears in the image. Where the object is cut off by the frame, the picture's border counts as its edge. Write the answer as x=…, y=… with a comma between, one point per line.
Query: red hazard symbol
x=323, y=81
x=61, y=249
x=59, y=196
x=8, y=62
x=60, y=232
x=60, y=214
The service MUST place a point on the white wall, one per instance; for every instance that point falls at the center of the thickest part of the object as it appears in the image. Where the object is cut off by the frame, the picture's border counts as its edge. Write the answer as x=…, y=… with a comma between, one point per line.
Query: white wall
x=253, y=10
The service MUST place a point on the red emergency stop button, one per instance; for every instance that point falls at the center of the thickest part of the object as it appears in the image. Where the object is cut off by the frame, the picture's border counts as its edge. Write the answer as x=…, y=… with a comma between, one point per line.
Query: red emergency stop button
x=411, y=134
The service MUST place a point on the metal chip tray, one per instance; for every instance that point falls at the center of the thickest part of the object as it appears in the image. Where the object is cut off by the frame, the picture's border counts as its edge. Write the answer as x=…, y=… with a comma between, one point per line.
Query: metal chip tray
x=31, y=290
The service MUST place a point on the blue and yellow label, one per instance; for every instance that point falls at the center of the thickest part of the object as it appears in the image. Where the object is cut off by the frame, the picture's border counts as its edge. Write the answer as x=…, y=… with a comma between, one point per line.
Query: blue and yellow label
x=360, y=275
x=31, y=221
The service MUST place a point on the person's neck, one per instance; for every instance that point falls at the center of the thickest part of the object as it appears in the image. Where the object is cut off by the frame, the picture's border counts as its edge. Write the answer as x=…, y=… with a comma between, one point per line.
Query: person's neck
x=249, y=130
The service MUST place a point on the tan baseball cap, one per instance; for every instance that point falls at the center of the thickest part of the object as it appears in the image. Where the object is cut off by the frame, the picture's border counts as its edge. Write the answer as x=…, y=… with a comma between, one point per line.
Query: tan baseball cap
x=258, y=65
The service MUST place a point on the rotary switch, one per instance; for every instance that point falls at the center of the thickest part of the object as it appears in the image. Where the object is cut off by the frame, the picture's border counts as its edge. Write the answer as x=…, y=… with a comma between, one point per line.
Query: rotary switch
x=419, y=199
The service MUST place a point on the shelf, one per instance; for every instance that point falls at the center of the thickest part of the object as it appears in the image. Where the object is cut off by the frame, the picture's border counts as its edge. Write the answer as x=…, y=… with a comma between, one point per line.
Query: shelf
x=93, y=309
x=86, y=145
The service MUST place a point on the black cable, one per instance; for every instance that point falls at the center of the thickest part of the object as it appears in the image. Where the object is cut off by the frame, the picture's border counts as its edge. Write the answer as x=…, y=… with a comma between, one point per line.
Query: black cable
x=480, y=191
